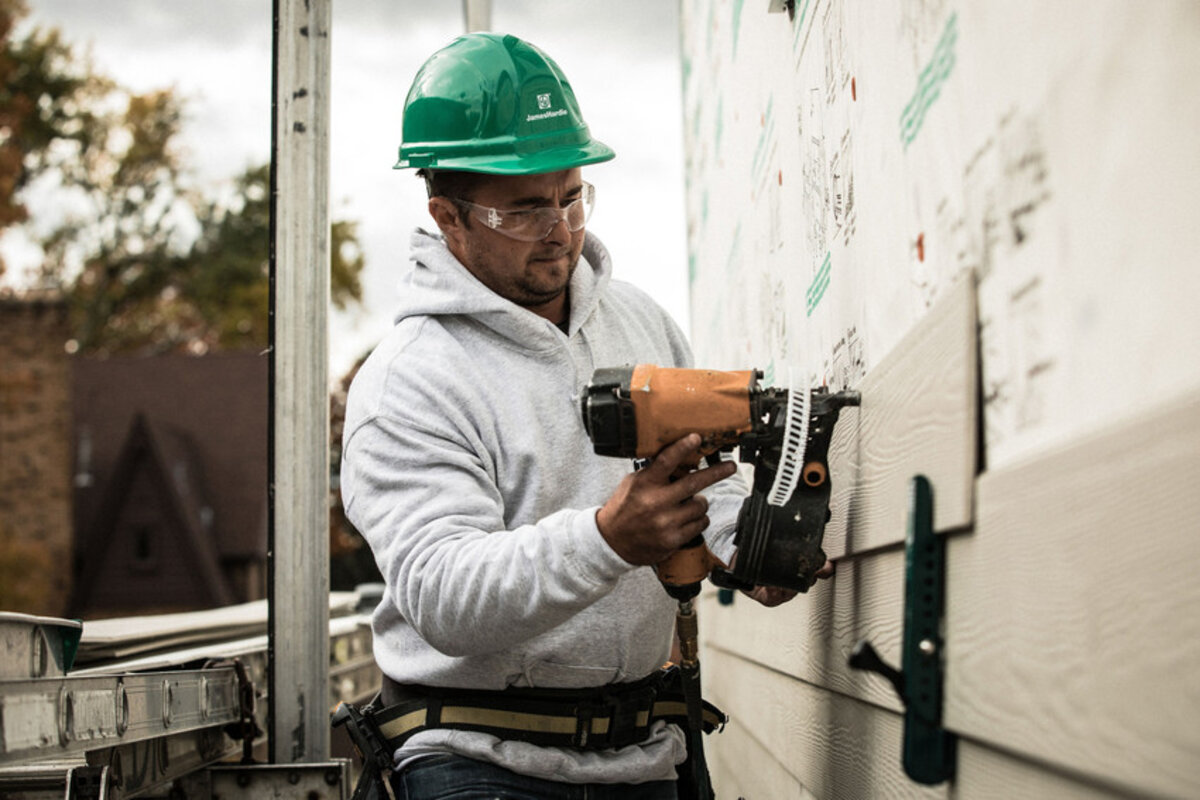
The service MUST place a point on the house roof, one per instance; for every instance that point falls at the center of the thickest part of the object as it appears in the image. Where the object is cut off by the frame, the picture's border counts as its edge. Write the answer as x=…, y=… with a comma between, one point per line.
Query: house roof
x=164, y=459
x=207, y=418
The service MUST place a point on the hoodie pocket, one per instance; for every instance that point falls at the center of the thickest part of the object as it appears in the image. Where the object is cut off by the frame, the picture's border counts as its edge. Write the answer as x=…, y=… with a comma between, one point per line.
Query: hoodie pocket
x=548, y=674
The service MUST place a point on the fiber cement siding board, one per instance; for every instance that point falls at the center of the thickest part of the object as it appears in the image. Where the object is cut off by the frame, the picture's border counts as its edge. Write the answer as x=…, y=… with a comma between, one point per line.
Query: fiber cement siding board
x=988, y=774
x=834, y=746
x=811, y=637
x=918, y=416
x=768, y=780
x=788, y=739
x=1072, y=660
x=1073, y=611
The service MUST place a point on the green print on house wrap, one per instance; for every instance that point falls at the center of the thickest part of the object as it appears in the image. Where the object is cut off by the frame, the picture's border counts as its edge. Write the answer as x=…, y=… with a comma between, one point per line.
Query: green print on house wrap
x=929, y=83
x=731, y=259
x=720, y=126
x=816, y=289
x=737, y=23
x=764, y=135
x=801, y=13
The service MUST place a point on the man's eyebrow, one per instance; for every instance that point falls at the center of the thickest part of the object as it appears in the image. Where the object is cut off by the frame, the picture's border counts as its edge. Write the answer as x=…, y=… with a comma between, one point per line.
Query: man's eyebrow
x=537, y=202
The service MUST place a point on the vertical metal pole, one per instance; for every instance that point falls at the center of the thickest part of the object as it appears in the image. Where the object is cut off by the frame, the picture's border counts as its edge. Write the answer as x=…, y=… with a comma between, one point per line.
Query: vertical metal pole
x=477, y=15
x=298, y=559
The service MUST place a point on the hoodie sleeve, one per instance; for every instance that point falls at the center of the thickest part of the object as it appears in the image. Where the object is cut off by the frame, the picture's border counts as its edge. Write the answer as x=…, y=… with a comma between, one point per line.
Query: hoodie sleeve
x=432, y=514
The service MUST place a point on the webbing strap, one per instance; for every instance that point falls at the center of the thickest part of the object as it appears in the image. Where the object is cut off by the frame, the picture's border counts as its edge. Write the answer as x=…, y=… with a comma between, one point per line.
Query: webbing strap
x=589, y=721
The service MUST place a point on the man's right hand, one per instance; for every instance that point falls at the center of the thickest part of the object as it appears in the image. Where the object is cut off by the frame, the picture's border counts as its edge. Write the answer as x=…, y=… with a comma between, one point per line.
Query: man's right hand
x=650, y=516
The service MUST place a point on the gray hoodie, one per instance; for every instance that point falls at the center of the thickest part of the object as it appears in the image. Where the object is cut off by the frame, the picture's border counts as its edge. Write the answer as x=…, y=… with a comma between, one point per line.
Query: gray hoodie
x=467, y=468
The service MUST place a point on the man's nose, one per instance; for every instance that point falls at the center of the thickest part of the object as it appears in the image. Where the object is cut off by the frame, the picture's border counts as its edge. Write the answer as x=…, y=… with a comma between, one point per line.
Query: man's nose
x=560, y=233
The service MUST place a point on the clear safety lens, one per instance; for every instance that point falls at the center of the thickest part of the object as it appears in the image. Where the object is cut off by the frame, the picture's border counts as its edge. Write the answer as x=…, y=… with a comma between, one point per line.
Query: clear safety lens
x=535, y=224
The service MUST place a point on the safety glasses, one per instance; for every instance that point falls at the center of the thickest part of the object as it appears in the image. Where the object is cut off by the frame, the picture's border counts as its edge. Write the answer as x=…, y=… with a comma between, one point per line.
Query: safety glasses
x=535, y=224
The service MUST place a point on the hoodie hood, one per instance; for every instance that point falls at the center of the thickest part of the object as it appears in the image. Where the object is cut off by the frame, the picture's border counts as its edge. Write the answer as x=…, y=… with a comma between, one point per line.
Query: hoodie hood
x=439, y=285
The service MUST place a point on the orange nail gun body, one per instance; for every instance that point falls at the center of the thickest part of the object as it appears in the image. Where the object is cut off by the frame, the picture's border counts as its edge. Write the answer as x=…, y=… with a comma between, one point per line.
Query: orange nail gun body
x=634, y=412
x=668, y=404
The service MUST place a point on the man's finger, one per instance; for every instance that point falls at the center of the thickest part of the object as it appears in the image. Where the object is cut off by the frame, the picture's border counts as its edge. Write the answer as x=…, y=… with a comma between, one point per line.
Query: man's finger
x=701, y=479
x=770, y=596
x=668, y=460
x=692, y=509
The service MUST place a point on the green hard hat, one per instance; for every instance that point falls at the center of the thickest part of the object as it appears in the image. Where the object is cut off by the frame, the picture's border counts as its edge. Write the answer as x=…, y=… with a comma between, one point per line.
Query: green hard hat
x=493, y=103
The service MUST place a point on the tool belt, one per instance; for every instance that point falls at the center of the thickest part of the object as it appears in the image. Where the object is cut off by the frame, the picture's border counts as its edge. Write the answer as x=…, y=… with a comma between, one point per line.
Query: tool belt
x=616, y=715
x=605, y=717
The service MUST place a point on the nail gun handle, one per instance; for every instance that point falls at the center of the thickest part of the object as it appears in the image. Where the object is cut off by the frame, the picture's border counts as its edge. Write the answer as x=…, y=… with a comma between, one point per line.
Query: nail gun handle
x=686, y=565
x=683, y=571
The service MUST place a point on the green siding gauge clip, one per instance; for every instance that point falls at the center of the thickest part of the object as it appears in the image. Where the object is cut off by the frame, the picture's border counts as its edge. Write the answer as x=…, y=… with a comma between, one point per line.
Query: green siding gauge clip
x=929, y=749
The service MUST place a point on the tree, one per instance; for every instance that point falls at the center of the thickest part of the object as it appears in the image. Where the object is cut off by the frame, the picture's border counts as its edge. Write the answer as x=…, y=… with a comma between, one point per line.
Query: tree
x=148, y=263
x=15, y=108
x=225, y=278
x=119, y=255
x=46, y=96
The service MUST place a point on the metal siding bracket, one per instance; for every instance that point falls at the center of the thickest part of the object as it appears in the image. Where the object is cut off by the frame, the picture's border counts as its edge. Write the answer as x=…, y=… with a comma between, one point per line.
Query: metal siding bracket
x=929, y=750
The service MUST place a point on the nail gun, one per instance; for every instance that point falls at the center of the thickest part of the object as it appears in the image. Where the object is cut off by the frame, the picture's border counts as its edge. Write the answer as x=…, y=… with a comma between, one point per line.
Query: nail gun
x=635, y=411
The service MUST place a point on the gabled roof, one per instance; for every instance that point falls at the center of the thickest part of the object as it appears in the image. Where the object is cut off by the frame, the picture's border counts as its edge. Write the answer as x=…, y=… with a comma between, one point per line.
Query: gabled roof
x=219, y=402
x=164, y=461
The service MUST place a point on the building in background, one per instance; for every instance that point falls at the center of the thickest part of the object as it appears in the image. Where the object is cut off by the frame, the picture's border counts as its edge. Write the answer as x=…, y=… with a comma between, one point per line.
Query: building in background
x=137, y=484
x=170, y=483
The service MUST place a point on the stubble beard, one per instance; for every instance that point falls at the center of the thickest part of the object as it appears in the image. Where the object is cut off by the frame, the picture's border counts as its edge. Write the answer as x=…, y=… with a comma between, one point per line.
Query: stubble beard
x=529, y=288
x=534, y=292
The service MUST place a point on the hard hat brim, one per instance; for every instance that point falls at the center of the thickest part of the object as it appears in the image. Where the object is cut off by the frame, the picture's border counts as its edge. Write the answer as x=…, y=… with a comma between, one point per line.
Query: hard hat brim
x=533, y=163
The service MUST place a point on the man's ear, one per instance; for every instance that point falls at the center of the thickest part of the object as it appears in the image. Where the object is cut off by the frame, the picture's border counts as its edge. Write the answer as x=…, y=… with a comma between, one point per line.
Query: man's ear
x=447, y=217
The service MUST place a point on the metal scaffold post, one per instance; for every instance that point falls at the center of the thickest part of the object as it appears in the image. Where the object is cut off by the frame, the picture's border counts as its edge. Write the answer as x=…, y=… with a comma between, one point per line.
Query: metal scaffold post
x=298, y=719
x=477, y=15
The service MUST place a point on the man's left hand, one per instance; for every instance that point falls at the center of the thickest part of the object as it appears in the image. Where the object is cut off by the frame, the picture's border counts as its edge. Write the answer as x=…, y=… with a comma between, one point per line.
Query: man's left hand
x=771, y=596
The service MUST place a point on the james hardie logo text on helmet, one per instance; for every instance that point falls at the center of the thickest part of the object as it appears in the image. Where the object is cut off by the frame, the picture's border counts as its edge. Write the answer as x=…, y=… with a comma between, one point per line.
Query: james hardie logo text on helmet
x=544, y=103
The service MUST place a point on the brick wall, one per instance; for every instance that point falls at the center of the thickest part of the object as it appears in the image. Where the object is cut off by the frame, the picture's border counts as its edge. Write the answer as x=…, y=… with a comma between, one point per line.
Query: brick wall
x=35, y=456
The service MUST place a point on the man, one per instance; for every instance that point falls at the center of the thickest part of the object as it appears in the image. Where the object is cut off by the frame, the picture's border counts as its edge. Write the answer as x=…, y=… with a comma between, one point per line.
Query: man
x=517, y=561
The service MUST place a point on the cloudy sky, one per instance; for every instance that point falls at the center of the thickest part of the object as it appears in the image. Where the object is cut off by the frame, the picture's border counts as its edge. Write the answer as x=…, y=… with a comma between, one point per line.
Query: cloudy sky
x=621, y=56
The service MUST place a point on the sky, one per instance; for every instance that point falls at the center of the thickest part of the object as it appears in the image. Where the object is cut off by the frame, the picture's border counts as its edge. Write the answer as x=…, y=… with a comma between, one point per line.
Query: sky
x=621, y=57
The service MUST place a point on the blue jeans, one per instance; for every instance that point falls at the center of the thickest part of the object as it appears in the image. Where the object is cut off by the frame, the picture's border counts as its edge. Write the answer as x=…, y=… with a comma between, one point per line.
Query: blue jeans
x=450, y=777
